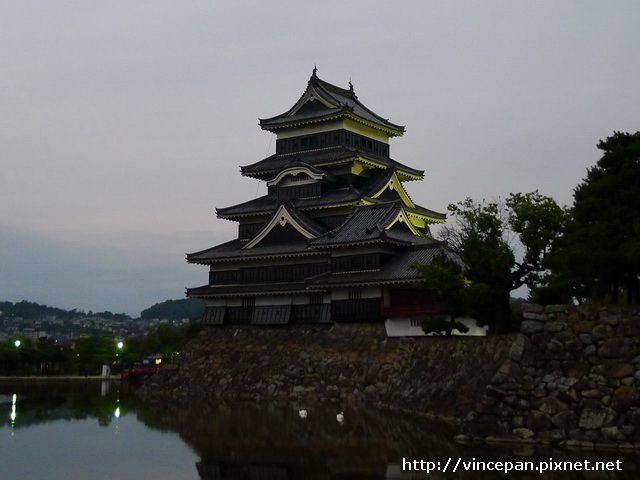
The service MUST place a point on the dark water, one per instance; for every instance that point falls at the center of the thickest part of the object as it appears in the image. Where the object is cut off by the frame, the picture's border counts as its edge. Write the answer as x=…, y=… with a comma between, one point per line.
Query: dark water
x=100, y=431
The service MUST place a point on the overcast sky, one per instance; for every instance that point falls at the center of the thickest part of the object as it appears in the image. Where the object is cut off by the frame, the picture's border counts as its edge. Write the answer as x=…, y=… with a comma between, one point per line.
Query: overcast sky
x=123, y=123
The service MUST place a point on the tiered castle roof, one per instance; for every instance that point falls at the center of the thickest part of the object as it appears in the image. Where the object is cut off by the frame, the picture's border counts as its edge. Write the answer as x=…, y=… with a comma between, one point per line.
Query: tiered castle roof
x=332, y=187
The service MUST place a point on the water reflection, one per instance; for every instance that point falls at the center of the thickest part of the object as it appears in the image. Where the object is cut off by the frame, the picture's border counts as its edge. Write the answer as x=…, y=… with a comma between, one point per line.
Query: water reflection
x=86, y=430
x=252, y=441
x=274, y=441
x=270, y=441
x=37, y=403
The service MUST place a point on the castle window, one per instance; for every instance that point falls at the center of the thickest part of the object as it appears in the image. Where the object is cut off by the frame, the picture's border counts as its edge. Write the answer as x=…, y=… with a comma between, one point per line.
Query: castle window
x=316, y=298
x=355, y=294
x=248, y=301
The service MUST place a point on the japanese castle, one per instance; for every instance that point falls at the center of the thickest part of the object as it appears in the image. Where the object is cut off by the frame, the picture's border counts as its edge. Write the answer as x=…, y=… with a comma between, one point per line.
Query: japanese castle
x=333, y=238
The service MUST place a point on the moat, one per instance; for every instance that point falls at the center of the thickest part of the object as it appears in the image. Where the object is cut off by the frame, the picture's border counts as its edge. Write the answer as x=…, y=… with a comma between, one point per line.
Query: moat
x=100, y=430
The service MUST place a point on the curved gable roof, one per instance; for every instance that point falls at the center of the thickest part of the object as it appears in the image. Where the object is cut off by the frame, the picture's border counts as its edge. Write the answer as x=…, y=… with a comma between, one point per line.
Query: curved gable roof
x=372, y=223
x=322, y=101
x=287, y=215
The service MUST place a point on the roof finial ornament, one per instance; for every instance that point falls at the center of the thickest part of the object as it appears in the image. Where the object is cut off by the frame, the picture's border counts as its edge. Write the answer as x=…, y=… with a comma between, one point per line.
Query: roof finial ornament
x=315, y=70
x=350, y=86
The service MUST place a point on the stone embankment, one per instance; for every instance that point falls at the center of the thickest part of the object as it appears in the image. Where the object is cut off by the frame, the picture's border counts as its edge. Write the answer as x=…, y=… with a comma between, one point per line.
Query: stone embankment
x=572, y=376
x=343, y=363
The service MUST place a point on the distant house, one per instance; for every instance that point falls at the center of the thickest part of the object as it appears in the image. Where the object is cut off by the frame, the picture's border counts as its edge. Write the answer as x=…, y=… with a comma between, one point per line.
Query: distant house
x=152, y=360
x=333, y=238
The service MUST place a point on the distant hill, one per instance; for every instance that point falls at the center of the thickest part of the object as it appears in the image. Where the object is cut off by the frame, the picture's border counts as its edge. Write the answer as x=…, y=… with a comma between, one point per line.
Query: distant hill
x=169, y=309
x=32, y=311
x=175, y=309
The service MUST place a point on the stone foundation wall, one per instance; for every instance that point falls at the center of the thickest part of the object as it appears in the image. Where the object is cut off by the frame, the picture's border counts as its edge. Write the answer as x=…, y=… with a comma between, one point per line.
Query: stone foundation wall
x=338, y=364
x=572, y=376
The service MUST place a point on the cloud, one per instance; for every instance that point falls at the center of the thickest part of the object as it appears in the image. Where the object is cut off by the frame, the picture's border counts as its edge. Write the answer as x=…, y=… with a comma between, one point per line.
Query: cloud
x=124, y=124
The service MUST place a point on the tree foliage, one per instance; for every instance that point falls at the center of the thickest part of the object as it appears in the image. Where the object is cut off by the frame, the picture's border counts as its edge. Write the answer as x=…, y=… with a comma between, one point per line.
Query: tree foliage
x=599, y=254
x=503, y=244
x=31, y=310
x=445, y=281
x=175, y=309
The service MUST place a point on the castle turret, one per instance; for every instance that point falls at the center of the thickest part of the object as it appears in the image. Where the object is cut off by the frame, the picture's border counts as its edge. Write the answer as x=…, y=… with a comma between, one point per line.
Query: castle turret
x=332, y=239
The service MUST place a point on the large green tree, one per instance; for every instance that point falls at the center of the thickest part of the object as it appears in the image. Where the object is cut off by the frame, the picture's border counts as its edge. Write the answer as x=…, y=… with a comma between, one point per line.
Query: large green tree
x=503, y=244
x=598, y=257
x=444, y=279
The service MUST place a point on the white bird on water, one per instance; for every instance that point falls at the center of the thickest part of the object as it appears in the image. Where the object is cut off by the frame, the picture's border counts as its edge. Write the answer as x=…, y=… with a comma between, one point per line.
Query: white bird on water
x=302, y=413
x=340, y=417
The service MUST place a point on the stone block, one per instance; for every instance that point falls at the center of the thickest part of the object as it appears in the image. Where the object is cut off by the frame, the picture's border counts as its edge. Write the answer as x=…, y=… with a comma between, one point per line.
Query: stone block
x=554, y=327
x=579, y=444
x=518, y=347
x=612, y=434
x=512, y=369
x=621, y=371
x=565, y=420
x=537, y=317
x=554, y=346
x=634, y=417
x=462, y=438
x=582, y=326
x=538, y=421
x=555, y=309
x=541, y=339
x=592, y=419
x=624, y=398
x=530, y=327
x=533, y=308
x=616, y=348
x=575, y=369
x=517, y=422
x=602, y=332
x=631, y=327
x=554, y=436
x=565, y=335
x=502, y=439
x=594, y=394
x=609, y=318
x=586, y=338
x=628, y=430
x=523, y=433
x=552, y=405
x=500, y=379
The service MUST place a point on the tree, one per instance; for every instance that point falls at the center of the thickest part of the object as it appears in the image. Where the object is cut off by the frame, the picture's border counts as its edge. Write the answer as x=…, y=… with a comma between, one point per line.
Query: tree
x=503, y=245
x=175, y=309
x=447, y=285
x=167, y=340
x=599, y=254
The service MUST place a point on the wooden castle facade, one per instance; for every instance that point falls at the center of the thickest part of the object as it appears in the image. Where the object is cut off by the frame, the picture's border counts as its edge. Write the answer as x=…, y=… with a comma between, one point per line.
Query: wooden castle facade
x=333, y=238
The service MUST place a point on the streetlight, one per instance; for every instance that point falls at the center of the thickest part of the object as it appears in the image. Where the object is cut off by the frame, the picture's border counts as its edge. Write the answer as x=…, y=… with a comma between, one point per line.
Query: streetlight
x=119, y=346
x=17, y=343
